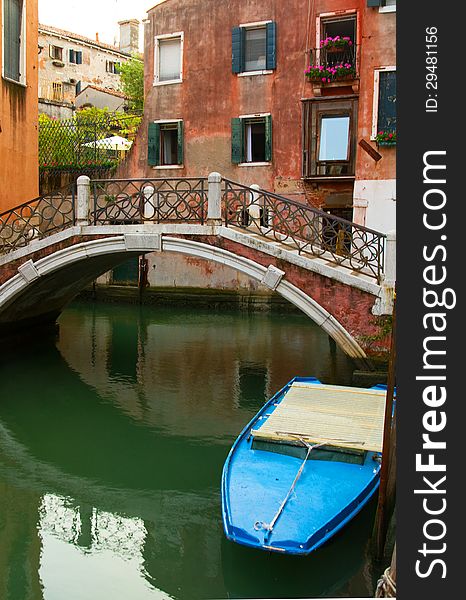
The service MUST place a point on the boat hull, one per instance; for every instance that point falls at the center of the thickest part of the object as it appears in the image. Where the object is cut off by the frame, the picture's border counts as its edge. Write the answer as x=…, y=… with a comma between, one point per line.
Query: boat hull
x=255, y=482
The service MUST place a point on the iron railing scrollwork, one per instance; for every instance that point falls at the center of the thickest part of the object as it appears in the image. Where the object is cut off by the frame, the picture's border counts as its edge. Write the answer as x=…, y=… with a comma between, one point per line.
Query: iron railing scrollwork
x=43, y=216
x=128, y=201
x=304, y=228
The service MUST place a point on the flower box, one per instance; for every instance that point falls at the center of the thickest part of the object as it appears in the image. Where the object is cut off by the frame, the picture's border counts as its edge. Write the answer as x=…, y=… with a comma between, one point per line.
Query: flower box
x=386, y=138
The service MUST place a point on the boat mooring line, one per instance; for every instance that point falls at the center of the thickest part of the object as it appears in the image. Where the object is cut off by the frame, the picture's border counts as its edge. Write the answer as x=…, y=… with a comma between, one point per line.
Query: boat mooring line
x=258, y=525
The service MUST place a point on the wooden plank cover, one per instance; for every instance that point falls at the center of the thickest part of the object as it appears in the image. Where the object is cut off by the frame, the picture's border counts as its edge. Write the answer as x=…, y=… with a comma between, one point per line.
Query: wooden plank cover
x=346, y=417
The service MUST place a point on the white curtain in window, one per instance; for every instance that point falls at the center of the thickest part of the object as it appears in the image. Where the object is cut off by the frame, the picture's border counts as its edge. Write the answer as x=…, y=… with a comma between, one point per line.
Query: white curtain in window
x=169, y=59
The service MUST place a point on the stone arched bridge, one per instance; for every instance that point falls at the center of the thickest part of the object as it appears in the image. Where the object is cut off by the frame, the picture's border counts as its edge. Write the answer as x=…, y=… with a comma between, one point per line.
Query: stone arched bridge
x=338, y=273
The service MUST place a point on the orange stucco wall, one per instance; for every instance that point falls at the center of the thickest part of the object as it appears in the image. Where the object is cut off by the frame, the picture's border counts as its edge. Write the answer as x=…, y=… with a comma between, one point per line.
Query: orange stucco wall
x=18, y=124
x=210, y=94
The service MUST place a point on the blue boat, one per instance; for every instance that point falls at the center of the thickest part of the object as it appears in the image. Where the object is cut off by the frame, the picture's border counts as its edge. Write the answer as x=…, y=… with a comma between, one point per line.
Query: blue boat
x=304, y=466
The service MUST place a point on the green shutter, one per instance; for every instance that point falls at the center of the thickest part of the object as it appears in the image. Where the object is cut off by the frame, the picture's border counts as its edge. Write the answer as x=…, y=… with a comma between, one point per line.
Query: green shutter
x=372, y=3
x=237, y=145
x=268, y=138
x=237, y=49
x=153, y=144
x=271, y=60
x=180, y=142
x=12, y=38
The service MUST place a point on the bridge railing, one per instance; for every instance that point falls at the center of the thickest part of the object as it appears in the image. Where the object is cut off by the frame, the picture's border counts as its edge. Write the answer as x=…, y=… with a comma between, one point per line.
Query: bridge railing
x=304, y=228
x=123, y=201
x=38, y=218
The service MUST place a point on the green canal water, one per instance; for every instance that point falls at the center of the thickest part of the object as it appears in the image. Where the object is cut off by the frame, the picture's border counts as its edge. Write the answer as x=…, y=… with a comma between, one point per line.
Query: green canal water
x=113, y=435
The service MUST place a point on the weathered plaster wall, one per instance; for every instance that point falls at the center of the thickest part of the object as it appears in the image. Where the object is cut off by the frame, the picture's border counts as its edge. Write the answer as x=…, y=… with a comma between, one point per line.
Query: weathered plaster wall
x=18, y=125
x=92, y=71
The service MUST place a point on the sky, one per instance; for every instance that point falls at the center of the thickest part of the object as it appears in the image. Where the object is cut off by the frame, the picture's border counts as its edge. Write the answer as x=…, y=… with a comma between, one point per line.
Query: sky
x=87, y=17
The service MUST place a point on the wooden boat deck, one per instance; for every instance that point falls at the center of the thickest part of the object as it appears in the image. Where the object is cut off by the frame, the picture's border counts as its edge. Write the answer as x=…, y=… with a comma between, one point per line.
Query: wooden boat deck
x=345, y=417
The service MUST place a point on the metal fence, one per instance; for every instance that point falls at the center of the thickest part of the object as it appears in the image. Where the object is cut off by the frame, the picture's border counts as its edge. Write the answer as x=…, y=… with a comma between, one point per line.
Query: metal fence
x=84, y=145
x=37, y=219
x=298, y=226
x=304, y=228
x=152, y=200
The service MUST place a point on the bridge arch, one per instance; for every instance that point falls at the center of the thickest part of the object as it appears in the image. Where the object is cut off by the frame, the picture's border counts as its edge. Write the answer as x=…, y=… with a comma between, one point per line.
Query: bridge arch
x=56, y=278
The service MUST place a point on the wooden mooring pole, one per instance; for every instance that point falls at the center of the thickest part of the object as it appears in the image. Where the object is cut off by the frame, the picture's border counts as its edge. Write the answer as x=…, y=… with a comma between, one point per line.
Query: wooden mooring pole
x=388, y=468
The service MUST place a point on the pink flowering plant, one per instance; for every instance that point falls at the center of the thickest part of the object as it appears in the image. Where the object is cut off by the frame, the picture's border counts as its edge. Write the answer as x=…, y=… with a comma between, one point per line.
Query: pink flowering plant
x=386, y=138
x=336, y=42
x=330, y=73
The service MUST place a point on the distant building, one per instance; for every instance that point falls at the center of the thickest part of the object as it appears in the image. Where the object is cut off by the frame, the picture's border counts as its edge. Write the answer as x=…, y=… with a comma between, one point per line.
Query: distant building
x=18, y=102
x=99, y=97
x=226, y=90
x=68, y=63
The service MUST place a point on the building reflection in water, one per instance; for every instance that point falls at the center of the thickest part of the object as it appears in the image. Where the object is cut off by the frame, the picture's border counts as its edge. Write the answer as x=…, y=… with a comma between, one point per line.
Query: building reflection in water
x=124, y=442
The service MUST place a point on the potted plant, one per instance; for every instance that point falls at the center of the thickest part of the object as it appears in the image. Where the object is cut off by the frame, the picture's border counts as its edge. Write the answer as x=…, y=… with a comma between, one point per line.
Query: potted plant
x=336, y=44
x=331, y=73
x=386, y=138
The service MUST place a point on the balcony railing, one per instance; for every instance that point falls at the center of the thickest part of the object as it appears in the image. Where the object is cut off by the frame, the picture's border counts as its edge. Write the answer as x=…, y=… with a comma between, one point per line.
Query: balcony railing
x=328, y=65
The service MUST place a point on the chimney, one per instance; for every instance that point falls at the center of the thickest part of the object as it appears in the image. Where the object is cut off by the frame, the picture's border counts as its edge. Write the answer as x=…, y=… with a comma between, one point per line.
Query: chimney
x=129, y=36
x=97, y=36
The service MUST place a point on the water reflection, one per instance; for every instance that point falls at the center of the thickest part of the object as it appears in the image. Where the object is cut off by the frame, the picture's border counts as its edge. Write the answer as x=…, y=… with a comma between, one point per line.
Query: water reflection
x=112, y=443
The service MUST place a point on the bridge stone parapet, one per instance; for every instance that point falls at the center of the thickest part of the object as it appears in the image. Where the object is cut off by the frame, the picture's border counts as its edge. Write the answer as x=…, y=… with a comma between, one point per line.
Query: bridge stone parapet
x=331, y=269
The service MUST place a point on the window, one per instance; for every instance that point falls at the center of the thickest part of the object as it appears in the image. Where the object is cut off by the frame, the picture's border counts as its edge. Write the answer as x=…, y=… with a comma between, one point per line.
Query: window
x=329, y=141
x=384, y=106
x=14, y=38
x=165, y=143
x=78, y=88
x=168, y=58
x=57, y=91
x=384, y=5
x=112, y=67
x=76, y=57
x=253, y=47
x=251, y=139
x=56, y=52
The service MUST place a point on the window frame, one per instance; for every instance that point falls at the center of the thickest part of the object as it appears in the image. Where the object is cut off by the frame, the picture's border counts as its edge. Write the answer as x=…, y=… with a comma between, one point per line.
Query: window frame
x=75, y=56
x=344, y=15
x=55, y=57
x=157, y=39
x=22, y=81
x=314, y=110
x=244, y=120
x=375, y=101
x=160, y=123
x=256, y=25
x=391, y=8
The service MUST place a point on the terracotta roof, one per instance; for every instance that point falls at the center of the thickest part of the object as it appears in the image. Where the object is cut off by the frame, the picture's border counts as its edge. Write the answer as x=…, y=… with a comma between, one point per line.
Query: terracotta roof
x=80, y=38
x=105, y=90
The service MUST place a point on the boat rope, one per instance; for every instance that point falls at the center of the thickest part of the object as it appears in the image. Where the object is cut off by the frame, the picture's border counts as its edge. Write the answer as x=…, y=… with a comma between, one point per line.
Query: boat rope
x=269, y=526
x=386, y=587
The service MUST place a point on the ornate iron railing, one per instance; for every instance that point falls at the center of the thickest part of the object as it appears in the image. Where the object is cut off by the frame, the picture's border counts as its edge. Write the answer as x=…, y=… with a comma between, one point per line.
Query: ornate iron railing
x=149, y=200
x=333, y=64
x=304, y=228
x=37, y=219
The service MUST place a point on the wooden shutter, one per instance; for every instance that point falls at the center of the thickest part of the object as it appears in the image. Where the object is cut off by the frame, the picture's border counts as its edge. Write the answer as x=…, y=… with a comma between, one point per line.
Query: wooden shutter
x=237, y=49
x=374, y=3
x=268, y=138
x=237, y=145
x=386, y=118
x=153, y=144
x=180, y=142
x=79, y=57
x=271, y=60
x=12, y=38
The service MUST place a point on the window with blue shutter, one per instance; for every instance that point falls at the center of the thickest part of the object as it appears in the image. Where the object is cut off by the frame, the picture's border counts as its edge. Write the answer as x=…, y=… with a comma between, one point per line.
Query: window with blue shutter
x=251, y=140
x=253, y=48
x=12, y=25
x=386, y=116
x=372, y=3
x=165, y=144
x=153, y=143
